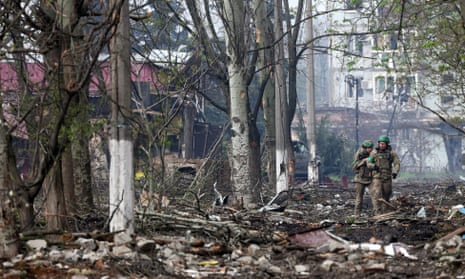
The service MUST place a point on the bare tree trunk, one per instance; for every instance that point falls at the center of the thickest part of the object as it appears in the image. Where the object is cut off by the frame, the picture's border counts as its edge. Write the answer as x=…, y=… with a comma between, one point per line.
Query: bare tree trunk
x=24, y=200
x=52, y=186
x=24, y=205
x=264, y=40
x=67, y=170
x=240, y=146
x=282, y=129
x=188, y=131
x=8, y=236
x=121, y=145
x=254, y=161
x=453, y=144
x=313, y=172
x=55, y=207
x=83, y=173
x=80, y=153
x=59, y=60
x=67, y=15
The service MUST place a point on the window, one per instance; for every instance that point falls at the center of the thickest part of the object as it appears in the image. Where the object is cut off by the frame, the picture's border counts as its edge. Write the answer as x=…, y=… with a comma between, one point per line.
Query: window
x=350, y=89
x=410, y=85
x=354, y=86
x=390, y=84
x=408, y=38
x=382, y=11
x=447, y=100
x=392, y=41
x=380, y=85
x=353, y=4
x=447, y=78
x=385, y=41
x=350, y=43
x=374, y=39
x=141, y=90
x=359, y=41
x=355, y=44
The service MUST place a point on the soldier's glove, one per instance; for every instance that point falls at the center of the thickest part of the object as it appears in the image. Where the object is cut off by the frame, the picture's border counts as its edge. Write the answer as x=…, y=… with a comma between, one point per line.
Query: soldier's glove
x=394, y=175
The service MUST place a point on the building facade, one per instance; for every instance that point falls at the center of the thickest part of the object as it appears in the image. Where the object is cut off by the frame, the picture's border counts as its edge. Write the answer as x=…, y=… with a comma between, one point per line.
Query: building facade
x=365, y=72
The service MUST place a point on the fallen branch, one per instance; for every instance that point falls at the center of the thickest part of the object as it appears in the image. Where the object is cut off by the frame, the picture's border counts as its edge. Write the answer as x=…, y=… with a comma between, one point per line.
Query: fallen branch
x=451, y=234
x=67, y=237
x=387, y=203
x=385, y=216
x=227, y=231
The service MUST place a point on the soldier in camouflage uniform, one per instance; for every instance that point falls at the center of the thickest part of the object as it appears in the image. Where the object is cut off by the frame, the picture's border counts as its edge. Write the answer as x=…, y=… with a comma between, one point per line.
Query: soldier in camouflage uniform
x=363, y=175
x=385, y=165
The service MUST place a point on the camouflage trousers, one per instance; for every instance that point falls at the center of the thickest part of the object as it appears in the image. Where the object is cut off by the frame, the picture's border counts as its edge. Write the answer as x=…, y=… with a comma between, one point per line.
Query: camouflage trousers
x=380, y=189
x=359, y=191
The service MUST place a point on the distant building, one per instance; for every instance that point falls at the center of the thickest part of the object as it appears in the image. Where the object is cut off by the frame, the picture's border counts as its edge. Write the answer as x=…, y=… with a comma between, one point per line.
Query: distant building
x=360, y=78
x=154, y=85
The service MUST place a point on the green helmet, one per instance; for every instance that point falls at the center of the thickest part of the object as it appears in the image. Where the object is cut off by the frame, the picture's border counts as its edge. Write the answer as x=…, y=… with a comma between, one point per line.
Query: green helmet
x=367, y=143
x=384, y=139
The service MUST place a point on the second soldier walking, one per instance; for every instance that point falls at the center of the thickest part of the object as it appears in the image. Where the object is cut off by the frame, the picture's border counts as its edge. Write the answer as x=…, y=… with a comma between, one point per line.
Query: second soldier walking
x=363, y=175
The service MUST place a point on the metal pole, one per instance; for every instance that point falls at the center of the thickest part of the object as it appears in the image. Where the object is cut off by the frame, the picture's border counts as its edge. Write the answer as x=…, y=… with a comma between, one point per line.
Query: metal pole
x=357, y=91
x=354, y=82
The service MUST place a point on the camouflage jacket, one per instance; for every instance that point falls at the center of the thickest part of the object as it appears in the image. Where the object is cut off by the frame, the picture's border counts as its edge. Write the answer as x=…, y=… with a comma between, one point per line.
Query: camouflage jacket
x=384, y=163
x=362, y=173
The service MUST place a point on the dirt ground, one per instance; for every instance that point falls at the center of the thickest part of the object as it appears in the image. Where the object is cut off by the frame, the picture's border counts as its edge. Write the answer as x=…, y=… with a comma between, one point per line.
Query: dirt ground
x=313, y=210
x=312, y=237
x=402, y=226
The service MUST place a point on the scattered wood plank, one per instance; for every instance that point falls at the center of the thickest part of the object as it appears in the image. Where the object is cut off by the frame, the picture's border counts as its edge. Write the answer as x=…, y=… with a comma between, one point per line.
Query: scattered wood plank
x=451, y=234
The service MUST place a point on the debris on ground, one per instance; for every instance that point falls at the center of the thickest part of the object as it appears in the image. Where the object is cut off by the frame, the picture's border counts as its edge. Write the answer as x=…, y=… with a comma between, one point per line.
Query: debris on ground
x=315, y=235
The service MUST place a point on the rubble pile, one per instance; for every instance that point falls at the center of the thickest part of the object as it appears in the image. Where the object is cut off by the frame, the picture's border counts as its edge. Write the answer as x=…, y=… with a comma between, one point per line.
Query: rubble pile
x=312, y=235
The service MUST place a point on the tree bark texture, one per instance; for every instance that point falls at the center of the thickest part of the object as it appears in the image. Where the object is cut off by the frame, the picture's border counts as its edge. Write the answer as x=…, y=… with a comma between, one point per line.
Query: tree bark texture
x=313, y=172
x=121, y=144
x=453, y=144
x=67, y=18
x=67, y=170
x=282, y=129
x=55, y=206
x=188, y=131
x=240, y=148
x=264, y=41
x=8, y=237
x=83, y=173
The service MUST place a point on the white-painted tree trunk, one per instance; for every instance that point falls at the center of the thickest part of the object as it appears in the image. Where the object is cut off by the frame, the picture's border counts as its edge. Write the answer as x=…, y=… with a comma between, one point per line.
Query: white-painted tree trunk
x=313, y=172
x=281, y=121
x=121, y=185
x=240, y=136
x=121, y=145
